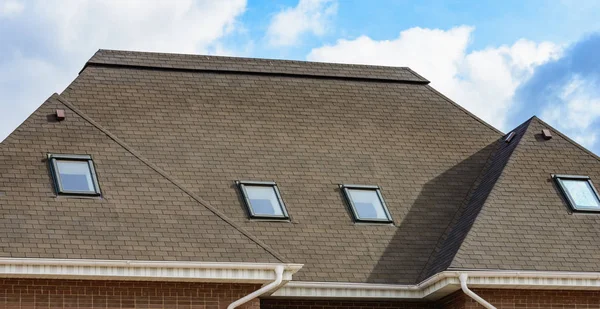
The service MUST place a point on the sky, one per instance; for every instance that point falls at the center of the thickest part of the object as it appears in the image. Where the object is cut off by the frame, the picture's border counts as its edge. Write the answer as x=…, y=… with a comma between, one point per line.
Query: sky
x=504, y=61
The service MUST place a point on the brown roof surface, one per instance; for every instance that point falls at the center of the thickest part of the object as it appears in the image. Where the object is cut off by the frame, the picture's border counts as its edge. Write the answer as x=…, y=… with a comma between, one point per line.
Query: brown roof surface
x=464, y=218
x=142, y=215
x=525, y=224
x=208, y=129
x=172, y=133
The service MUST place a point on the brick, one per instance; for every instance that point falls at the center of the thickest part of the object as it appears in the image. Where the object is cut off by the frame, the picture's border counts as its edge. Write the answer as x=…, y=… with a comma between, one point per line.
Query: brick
x=24, y=294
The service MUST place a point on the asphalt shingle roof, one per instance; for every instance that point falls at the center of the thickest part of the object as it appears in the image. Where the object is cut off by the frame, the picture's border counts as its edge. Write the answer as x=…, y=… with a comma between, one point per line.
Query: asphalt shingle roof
x=170, y=135
x=526, y=224
x=141, y=215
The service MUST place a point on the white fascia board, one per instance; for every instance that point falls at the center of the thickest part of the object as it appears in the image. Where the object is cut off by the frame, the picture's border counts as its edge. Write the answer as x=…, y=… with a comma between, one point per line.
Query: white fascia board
x=535, y=280
x=143, y=270
x=441, y=285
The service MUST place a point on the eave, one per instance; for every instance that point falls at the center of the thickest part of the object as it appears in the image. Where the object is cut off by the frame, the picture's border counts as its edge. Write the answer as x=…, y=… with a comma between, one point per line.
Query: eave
x=143, y=270
x=441, y=285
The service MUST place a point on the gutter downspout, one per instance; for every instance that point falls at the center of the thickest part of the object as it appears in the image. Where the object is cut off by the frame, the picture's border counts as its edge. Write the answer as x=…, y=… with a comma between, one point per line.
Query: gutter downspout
x=261, y=291
x=463, y=285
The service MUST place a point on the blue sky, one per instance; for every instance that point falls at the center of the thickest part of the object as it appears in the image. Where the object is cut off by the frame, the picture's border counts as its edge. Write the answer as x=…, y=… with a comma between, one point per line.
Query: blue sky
x=502, y=60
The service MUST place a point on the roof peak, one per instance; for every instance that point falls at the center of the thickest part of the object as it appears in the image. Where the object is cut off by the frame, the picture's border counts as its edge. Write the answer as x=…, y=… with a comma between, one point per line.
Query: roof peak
x=226, y=64
x=558, y=132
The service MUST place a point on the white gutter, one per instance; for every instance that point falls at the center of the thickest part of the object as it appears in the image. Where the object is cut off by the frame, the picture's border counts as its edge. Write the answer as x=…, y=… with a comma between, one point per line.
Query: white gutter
x=261, y=291
x=144, y=270
x=442, y=284
x=463, y=285
x=434, y=287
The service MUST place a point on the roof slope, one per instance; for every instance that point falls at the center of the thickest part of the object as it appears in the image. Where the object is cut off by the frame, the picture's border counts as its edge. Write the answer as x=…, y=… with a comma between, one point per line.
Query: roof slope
x=142, y=215
x=209, y=127
x=463, y=220
x=525, y=224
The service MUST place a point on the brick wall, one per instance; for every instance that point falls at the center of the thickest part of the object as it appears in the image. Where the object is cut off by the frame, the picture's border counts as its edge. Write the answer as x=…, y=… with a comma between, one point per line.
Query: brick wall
x=51, y=294
x=71, y=294
x=537, y=299
x=502, y=299
x=455, y=300
x=339, y=304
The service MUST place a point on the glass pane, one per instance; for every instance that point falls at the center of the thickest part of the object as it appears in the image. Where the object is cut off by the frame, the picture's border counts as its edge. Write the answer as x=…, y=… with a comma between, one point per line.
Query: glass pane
x=367, y=204
x=263, y=200
x=581, y=193
x=75, y=176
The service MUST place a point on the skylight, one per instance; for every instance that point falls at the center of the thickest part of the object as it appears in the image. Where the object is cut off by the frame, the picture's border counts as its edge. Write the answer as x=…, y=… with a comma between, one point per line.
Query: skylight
x=74, y=174
x=579, y=192
x=366, y=203
x=263, y=200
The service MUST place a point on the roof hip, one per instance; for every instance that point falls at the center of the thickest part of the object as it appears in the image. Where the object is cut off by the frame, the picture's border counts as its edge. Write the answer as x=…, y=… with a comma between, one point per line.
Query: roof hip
x=450, y=243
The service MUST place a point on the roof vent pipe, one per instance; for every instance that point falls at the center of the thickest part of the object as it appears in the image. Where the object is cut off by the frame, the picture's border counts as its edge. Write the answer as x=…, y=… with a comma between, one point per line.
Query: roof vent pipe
x=463, y=285
x=60, y=114
x=510, y=136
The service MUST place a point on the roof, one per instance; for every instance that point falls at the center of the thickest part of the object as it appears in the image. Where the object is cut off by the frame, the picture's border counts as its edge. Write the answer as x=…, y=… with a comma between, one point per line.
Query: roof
x=170, y=135
x=525, y=224
x=142, y=215
x=474, y=201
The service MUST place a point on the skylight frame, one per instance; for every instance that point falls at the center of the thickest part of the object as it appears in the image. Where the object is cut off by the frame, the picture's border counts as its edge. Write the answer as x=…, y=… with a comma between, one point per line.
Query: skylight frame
x=53, y=160
x=569, y=199
x=346, y=192
x=244, y=184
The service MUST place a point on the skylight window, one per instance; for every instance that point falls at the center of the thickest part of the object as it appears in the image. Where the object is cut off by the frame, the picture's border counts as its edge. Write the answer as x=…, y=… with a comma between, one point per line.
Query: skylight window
x=263, y=200
x=579, y=192
x=74, y=174
x=366, y=203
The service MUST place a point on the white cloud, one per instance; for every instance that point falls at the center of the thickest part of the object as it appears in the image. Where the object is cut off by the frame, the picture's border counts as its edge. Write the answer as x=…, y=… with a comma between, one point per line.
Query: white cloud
x=309, y=16
x=78, y=28
x=577, y=110
x=26, y=82
x=483, y=81
x=11, y=7
x=184, y=26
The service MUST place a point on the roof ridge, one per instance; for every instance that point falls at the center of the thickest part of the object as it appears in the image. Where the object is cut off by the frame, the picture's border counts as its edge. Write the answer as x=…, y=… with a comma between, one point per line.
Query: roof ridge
x=487, y=173
x=171, y=179
x=227, y=64
x=260, y=59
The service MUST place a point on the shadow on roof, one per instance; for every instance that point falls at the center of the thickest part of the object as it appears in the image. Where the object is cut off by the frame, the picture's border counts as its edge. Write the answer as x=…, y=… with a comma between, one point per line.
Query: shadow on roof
x=424, y=224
